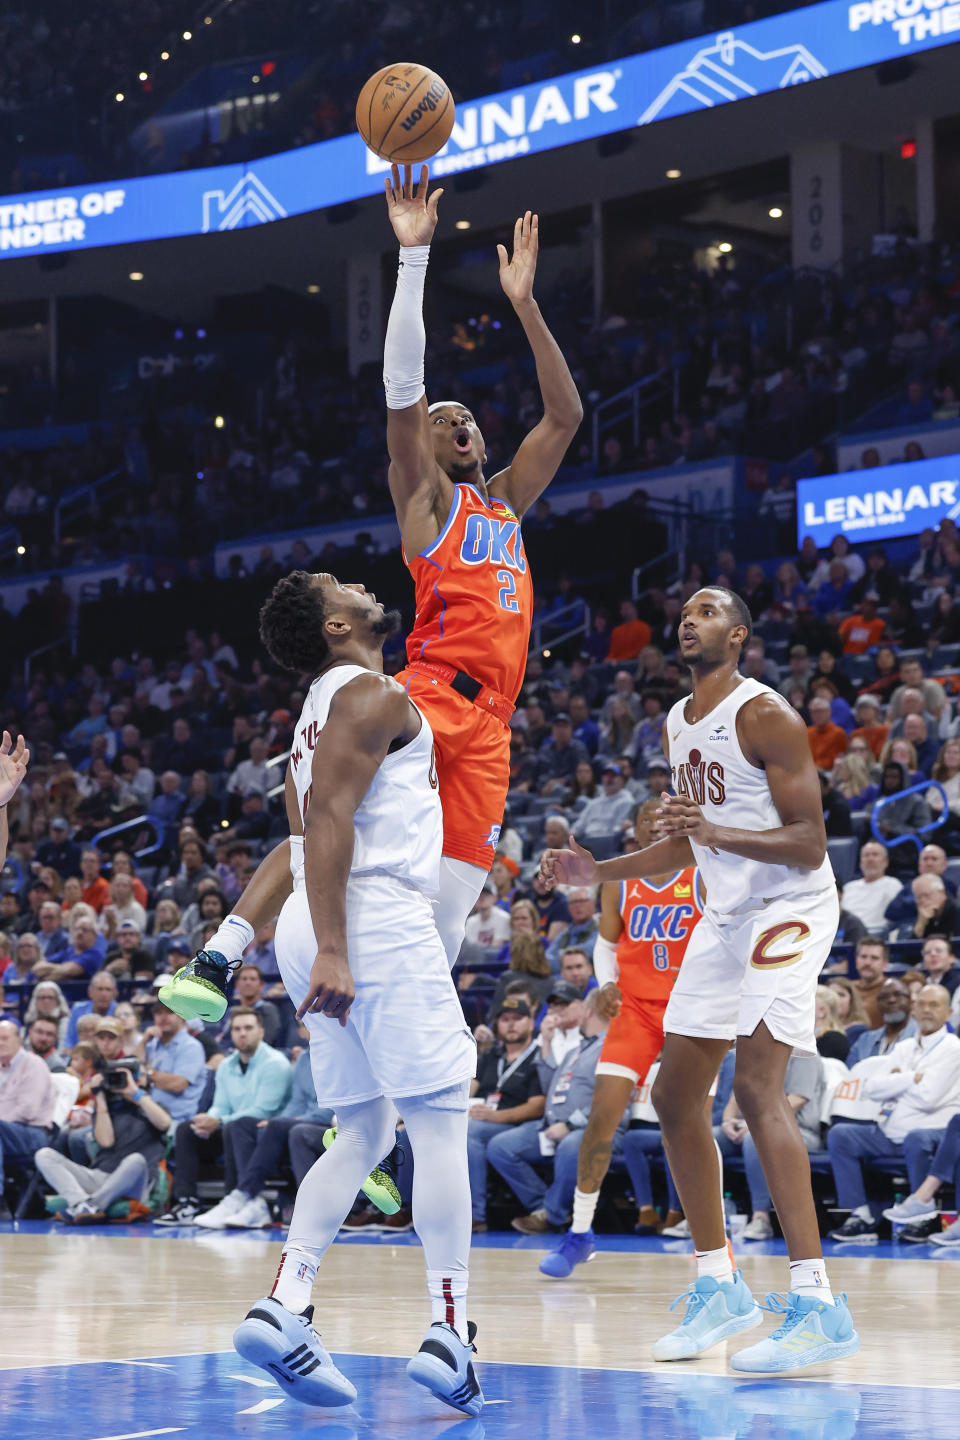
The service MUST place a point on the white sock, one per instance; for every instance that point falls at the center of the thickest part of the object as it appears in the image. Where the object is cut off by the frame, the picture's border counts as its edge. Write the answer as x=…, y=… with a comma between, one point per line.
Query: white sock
x=448, y=1299
x=809, y=1277
x=584, y=1209
x=715, y=1263
x=294, y=1283
x=864, y=1212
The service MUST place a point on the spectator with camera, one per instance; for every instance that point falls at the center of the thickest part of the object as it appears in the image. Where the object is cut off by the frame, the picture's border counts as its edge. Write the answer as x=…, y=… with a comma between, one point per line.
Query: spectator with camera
x=27, y=1099
x=254, y=1080
x=127, y=1135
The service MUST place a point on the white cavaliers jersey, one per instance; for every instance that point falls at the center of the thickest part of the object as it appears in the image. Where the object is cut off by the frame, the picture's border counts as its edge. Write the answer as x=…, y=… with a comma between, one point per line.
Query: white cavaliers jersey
x=709, y=767
x=398, y=825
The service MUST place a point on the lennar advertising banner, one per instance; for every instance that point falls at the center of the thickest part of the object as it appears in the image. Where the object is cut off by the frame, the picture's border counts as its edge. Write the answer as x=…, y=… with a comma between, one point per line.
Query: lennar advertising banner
x=697, y=74
x=881, y=503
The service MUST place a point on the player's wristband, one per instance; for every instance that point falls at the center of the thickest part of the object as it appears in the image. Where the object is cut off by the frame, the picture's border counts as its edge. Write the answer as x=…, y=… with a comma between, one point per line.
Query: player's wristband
x=605, y=966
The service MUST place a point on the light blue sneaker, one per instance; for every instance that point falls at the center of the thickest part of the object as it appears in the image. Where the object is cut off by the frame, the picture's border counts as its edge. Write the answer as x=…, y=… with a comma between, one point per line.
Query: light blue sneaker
x=288, y=1348
x=575, y=1248
x=444, y=1366
x=811, y=1333
x=715, y=1311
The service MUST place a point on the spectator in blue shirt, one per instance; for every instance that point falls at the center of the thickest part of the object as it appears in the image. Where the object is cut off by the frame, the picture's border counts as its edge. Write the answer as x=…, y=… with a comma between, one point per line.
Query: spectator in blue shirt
x=58, y=850
x=83, y=959
x=102, y=1000
x=167, y=806
x=51, y=936
x=585, y=730
x=93, y=723
x=834, y=593
x=917, y=408
x=176, y=1065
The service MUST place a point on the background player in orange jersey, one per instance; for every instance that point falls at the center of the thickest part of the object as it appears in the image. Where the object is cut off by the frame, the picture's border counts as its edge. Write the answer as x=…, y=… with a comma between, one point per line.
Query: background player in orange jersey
x=467, y=650
x=645, y=926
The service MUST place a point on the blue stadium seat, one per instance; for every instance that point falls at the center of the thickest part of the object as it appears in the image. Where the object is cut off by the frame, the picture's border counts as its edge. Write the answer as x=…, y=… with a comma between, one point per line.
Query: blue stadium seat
x=844, y=852
x=604, y=847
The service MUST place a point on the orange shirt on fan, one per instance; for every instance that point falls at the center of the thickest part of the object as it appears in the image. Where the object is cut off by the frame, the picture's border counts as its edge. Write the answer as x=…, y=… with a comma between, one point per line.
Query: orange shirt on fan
x=628, y=639
x=98, y=894
x=859, y=634
x=875, y=736
x=658, y=921
x=474, y=594
x=826, y=743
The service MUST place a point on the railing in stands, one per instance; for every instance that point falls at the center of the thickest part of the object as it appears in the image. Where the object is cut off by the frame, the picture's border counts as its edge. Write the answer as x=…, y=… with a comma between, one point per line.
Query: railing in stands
x=70, y=638
x=914, y=837
x=136, y=824
x=543, y=642
x=73, y=501
x=629, y=404
x=278, y=760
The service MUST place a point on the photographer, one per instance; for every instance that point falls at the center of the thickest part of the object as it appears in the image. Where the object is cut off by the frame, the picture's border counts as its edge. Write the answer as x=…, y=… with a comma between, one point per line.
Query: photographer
x=128, y=1126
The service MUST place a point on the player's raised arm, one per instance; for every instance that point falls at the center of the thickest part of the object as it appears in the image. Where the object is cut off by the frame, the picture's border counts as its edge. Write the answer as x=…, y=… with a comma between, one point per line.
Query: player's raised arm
x=365, y=718
x=419, y=487
x=774, y=738
x=540, y=455
x=14, y=760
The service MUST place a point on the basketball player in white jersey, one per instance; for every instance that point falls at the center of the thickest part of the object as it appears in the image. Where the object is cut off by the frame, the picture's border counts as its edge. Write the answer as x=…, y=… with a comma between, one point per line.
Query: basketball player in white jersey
x=360, y=956
x=747, y=811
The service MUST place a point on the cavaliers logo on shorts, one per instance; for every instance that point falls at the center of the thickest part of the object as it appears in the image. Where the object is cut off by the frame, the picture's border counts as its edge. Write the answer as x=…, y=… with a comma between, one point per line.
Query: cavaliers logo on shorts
x=789, y=932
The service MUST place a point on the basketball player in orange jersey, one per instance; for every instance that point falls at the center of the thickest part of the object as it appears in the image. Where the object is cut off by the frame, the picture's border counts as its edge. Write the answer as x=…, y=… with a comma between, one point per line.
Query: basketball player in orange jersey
x=645, y=926
x=748, y=812
x=467, y=650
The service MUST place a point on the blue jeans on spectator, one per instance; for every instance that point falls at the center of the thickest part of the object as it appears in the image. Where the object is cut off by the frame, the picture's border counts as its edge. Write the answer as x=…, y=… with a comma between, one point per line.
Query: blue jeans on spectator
x=934, y=1152
x=946, y=1162
x=849, y=1145
x=637, y=1145
x=306, y=1147
x=479, y=1135
x=756, y=1180
x=515, y=1151
x=258, y=1151
x=19, y=1142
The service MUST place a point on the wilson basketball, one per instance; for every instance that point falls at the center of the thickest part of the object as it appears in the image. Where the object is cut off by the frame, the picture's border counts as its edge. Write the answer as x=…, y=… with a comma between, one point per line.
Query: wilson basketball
x=405, y=113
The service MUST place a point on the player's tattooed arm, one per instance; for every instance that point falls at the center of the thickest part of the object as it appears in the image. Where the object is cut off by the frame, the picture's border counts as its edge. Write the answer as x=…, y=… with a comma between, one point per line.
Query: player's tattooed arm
x=774, y=738
x=542, y=451
x=366, y=716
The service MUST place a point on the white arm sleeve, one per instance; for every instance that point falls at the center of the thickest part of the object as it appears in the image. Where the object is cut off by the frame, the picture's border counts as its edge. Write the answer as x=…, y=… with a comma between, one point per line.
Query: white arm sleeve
x=605, y=966
x=406, y=337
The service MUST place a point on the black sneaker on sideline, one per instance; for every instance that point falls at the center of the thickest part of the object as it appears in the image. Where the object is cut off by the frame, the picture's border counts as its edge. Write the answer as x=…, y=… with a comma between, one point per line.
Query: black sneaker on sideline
x=856, y=1231
x=184, y=1212
x=920, y=1232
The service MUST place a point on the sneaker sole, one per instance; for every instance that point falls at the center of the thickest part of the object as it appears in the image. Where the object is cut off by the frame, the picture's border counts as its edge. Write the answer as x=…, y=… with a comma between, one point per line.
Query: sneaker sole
x=434, y=1375
x=549, y=1275
x=737, y=1325
x=192, y=1000
x=854, y=1239
x=266, y=1348
x=941, y=1241
x=833, y=1350
x=911, y=1219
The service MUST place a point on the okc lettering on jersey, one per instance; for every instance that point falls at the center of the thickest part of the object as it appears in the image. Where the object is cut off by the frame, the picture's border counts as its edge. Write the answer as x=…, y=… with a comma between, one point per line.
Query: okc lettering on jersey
x=661, y=922
x=698, y=780
x=494, y=542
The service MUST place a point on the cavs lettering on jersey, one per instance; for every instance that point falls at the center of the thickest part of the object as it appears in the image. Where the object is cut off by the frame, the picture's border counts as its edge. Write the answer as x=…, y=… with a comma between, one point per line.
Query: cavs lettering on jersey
x=474, y=594
x=658, y=921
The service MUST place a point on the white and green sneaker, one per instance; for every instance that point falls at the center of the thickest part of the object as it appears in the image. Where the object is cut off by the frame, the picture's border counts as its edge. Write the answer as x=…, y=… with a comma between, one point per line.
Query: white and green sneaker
x=715, y=1311
x=198, y=991
x=378, y=1187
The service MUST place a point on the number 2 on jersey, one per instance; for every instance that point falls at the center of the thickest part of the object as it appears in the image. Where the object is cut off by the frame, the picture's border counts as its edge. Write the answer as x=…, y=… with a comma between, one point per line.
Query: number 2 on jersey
x=508, y=591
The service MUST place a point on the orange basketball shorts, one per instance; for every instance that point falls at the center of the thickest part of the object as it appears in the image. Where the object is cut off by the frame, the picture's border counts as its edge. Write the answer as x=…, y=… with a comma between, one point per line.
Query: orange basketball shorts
x=634, y=1039
x=473, y=767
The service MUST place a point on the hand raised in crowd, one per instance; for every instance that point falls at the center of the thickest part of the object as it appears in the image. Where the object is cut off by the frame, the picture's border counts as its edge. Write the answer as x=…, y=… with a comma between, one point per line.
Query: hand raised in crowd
x=14, y=760
x=573, y=866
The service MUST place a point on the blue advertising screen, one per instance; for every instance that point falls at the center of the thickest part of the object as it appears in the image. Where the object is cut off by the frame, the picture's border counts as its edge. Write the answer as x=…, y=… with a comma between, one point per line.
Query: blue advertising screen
x=698, y=74
x=881, y=503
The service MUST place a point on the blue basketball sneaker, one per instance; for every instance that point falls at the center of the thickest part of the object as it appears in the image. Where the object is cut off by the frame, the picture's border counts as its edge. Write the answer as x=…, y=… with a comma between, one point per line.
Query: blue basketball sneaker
x=575, y=1248
x=715, y=1311
x=288, y=1348
x=811, y=1333
x=444, y=1365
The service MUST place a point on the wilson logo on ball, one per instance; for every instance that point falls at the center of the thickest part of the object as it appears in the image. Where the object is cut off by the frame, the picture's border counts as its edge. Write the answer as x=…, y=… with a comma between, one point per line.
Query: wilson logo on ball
x=427, y=105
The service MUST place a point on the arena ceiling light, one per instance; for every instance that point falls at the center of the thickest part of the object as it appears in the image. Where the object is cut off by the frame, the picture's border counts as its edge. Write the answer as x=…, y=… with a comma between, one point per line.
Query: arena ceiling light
x=136, y=275
x=575, y=39
x=775, y=212
x=673, y=174
x=21, y=549
x=143, y=75
x=313, y=289
x=164, y=54
x=188, y=34
x=724, y=247
x=119, y=97
x=461, y=225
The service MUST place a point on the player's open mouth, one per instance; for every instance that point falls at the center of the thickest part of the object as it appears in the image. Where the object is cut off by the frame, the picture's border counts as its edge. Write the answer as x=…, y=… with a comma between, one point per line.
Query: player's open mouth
x=462, y=440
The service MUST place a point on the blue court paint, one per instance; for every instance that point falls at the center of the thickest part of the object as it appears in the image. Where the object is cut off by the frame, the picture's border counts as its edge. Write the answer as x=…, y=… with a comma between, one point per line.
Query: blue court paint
x=213, y=1397
x=503, y=1240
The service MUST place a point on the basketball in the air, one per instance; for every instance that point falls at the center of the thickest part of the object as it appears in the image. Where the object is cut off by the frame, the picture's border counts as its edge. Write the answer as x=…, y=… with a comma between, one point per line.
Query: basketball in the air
x=405, y=113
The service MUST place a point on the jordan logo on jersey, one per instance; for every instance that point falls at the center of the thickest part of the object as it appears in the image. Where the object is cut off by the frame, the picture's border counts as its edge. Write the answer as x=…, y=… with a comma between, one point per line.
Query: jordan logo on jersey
x=494, y=542
x=699, y=780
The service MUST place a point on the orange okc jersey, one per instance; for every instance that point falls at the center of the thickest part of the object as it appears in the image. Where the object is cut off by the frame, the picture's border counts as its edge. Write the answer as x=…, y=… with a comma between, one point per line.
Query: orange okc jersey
x=474, y=595
x=658, y=921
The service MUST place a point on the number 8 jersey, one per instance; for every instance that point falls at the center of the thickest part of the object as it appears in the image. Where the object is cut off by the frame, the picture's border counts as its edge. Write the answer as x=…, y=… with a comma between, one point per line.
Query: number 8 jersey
x=474, y=594
x=658, y=921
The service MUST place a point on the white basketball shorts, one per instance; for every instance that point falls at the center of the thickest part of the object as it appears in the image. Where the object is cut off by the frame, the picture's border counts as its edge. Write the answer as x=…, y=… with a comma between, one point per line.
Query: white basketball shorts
x=406, y=1033
x=761, y=964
